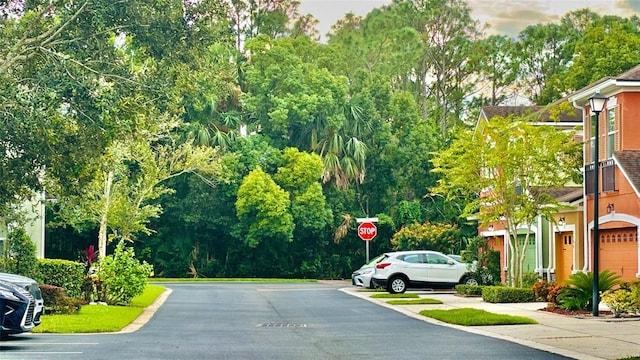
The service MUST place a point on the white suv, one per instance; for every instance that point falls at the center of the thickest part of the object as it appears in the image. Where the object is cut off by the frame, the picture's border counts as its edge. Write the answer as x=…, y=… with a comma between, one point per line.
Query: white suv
x=400, y=270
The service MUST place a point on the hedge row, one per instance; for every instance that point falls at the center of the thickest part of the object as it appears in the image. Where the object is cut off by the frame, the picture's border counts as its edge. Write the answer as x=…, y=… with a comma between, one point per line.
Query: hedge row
x=63, y=273
x=505, y=294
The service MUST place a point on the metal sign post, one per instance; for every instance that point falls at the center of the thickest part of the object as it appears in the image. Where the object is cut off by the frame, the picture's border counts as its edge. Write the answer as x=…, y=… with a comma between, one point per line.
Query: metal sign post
x=367, y=230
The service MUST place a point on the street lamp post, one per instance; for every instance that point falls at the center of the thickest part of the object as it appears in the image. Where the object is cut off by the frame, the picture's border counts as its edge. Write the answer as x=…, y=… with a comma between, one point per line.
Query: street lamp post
x=596, y=102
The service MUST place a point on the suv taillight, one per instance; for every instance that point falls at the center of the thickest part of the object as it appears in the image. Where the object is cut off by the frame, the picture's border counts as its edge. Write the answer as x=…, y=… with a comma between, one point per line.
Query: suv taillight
x=382, y=266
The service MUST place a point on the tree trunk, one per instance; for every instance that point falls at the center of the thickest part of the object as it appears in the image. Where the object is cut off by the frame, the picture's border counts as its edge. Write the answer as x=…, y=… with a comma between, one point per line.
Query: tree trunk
x=511, y=271
x=102, y=233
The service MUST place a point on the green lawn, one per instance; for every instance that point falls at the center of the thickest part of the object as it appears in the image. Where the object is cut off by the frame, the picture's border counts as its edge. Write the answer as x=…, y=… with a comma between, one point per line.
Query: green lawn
x=475, y=317
x=423, y=301
x=100, y=318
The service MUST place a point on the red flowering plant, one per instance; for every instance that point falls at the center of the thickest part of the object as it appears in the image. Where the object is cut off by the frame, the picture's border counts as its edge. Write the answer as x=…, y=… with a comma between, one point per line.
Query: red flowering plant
x=91, y=286
x=89, y=256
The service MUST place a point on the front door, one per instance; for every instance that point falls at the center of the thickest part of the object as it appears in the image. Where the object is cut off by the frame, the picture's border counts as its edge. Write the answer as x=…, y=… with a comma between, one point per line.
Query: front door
x=564, y=256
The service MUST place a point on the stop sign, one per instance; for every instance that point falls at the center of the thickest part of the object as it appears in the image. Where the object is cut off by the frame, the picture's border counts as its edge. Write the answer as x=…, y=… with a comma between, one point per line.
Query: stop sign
x=367, y=231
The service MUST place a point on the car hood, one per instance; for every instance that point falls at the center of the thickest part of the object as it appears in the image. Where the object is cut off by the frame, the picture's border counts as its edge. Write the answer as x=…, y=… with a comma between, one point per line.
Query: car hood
x=17, y=279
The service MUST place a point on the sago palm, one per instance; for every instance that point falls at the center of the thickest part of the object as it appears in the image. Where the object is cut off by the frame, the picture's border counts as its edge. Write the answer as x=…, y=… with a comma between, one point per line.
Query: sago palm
x=579, y=294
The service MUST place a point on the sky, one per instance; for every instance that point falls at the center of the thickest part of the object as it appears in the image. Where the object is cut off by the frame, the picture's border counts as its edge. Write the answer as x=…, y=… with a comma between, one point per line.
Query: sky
x=506, y=17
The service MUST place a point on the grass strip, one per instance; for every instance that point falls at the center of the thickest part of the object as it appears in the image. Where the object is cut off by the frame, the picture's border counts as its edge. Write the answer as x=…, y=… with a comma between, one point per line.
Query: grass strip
x=423, y=301
x=475, y=317
x=99, y=318
x=394, y=296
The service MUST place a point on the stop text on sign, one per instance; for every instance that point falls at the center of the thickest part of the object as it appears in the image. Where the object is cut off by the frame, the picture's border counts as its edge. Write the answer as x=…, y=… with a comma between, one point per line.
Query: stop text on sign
x=367, y=231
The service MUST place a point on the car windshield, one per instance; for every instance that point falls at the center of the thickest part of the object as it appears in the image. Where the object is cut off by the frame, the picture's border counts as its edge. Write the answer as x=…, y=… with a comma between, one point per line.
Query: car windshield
x=373, y=261
x=457, y=258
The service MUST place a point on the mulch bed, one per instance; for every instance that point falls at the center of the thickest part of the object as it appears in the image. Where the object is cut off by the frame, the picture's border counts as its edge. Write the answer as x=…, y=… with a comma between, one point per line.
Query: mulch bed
x=581, y=313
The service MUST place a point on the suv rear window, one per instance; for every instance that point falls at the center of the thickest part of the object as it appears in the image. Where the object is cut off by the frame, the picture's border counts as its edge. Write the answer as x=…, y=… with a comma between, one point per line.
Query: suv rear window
x=412, y=258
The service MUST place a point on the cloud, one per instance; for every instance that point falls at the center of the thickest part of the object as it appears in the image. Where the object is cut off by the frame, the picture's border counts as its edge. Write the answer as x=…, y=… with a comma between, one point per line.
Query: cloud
x=507, y=17
x=512, y=21
x=629, y=6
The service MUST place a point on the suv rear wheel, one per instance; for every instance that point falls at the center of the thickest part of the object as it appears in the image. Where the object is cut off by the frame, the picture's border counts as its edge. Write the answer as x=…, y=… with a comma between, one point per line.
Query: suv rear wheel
x=397, y=285
x=468, y=280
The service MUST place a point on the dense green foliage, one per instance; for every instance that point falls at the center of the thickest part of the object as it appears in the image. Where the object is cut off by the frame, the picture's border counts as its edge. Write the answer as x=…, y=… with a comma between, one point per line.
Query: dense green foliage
x=304, y=137
x=438, y=237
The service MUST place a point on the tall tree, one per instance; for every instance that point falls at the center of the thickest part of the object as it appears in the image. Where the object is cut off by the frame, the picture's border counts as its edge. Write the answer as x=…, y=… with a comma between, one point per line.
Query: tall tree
x=133, y=174
x=508, y=163
x=447, y=33
x=497, y=67
x=263, y=211
x=273, y=18
x=544, y=52
x=609, y=47
x=302, y=104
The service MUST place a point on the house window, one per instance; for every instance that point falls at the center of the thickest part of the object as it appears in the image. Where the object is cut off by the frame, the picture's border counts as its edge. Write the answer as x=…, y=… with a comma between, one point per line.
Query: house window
x=611, y=131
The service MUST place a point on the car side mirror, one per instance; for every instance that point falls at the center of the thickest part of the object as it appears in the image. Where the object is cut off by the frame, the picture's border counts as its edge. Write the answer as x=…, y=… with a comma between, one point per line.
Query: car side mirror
x=450, y=262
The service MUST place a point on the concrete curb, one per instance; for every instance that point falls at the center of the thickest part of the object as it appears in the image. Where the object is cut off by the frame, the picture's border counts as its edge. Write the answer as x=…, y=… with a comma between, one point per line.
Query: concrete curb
x=147, y=314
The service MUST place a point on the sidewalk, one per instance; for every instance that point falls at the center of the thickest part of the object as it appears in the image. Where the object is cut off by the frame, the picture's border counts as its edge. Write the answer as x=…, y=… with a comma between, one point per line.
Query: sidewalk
x=587, y=338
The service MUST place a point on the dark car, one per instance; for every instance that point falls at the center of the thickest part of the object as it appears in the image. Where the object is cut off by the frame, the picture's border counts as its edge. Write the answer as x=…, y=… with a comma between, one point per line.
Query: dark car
x=33, y=288
x=16, y=309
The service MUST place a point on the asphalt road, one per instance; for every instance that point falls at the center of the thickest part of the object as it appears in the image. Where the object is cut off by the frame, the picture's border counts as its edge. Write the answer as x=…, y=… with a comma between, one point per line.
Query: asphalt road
x=270, y=321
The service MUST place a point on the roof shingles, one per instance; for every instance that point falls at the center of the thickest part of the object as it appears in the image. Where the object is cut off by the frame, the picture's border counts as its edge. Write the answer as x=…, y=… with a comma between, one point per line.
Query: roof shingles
x=629, y=161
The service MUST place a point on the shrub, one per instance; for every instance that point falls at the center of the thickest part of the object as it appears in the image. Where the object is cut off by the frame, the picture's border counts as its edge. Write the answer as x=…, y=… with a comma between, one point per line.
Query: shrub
x=473, y=290
x=578, y=295
x=19, y=255
x=434, y=236
x=482, y=275
x=620, y=301
x=122, y=275
x=488, y=261
x=63, y=273
x=504, y=294
x=56, y=300
x=529, y=279
x=541, y=290
x=552, y=296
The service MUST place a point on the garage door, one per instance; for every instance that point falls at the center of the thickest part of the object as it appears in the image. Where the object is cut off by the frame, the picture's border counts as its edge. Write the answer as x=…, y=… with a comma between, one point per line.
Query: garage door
x=529, y=264
x=618, y=252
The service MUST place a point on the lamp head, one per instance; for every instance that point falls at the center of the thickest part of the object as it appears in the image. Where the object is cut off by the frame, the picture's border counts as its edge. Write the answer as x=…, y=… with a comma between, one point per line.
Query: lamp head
x=597, y=102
